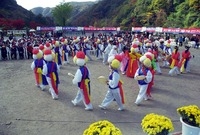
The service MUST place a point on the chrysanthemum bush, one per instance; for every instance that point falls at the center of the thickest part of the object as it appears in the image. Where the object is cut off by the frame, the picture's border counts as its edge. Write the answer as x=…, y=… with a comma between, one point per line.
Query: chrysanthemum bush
x=154, y=124
x=102, y=127
x=190, y=114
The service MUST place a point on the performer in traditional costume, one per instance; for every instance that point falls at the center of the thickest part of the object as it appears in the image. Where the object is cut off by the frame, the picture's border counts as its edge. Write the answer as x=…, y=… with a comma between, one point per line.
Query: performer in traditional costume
x=120, y=45
x=184, y=63
x=152, y=69
x=37, y=66
x=124, y=63
x=82, y=79
x=133, y=61
x=58, y=54
x=167, y=54
x=99, y=49
x=107, y=51
x=87, y=48
x=175, y=61
x=76, y=46
x=51, y=70
x=115, y=91
x=144, y=76
x=66, y=50
x=113, y=51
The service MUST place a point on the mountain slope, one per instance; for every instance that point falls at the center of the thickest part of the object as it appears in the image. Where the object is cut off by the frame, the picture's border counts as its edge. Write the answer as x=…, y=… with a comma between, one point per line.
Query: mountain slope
x=13, y=16
x=149, y=13
x=10, y=9
x=77, y=8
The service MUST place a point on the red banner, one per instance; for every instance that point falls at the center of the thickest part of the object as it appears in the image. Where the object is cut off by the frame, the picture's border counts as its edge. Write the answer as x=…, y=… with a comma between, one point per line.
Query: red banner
x=167, y=30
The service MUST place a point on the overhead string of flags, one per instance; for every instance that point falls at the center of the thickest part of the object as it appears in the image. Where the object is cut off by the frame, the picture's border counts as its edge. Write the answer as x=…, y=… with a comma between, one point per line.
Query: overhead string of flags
x=134, y=29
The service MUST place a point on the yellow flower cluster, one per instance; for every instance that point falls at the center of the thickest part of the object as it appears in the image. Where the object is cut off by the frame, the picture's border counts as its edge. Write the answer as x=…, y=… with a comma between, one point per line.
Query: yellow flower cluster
x=102, y=127
x=190, y=114
x=154, y=124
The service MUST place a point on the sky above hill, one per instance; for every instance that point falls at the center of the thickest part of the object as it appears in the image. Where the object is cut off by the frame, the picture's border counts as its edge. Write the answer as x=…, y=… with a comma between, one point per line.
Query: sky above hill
x=30, y=4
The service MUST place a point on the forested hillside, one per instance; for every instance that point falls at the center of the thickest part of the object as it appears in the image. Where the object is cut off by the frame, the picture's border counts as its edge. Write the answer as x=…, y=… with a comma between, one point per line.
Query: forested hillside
x=150, y=13
x=13, y=16
x=111, y=13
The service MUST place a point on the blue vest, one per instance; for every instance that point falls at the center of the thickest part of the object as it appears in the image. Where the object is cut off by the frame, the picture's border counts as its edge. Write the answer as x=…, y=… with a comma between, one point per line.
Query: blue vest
x=142, y=72
x=110, y=78
x=52, y=67
x=85, y=74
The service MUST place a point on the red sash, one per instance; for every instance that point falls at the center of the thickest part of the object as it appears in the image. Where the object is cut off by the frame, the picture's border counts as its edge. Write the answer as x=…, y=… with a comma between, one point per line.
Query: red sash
x=121, y=92
x=85, y=87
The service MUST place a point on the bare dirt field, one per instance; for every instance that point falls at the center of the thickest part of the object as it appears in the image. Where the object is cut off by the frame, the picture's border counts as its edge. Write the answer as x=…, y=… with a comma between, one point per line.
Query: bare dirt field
x=26, y=110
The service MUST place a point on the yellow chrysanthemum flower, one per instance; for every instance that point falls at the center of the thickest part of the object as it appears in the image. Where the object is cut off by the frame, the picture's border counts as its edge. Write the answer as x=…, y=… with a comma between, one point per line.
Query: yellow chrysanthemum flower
x=154, y=124
x=102, y=127
x=190, y=114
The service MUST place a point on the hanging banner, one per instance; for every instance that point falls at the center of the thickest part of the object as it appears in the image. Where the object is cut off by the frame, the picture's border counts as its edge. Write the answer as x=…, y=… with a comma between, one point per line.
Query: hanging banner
x=70, y=28
x=138, y=29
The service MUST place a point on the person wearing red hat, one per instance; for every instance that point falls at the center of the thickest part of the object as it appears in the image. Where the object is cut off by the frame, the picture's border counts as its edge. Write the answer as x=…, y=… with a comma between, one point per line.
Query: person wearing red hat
x=41, y=47
x=37, y=66
x=51, y=70
x=115, y=91
x=82, y=79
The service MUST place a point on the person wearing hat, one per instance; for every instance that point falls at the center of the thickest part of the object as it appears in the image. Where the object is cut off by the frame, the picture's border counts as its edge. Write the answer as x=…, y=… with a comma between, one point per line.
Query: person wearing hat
x=51, y=70
x=87, y=48
x=113, y=51
x=133, y=61
x=115, y=91
x=175, y=61
x=124, y=54
x=144, y=76
x=120, y=45
x=82, y=79
x=167, y=54
x=184, y=62
x=37, y=66
x=152, y=69
x=66, y=50
x=107, y=51
x=99, y=49
x=76, y=47
x=41, y=47
x=58, y=53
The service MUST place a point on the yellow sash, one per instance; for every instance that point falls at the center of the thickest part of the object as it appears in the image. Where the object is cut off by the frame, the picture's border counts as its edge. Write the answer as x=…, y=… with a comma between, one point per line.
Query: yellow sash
x=54, y=76
x=173, y=63
x=56, y=58
x=182, y=66
x=39, y=70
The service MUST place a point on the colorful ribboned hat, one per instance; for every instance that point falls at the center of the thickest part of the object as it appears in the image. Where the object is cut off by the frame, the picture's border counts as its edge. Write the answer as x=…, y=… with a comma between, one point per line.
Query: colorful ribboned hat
x=80, y=58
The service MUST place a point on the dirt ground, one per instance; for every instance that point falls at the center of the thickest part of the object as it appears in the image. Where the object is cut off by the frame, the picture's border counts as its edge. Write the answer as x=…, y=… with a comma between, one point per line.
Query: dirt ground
x=26, y=110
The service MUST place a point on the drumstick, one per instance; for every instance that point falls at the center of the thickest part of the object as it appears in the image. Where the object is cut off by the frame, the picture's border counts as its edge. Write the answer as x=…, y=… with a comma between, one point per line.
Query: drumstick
x=70, y=74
